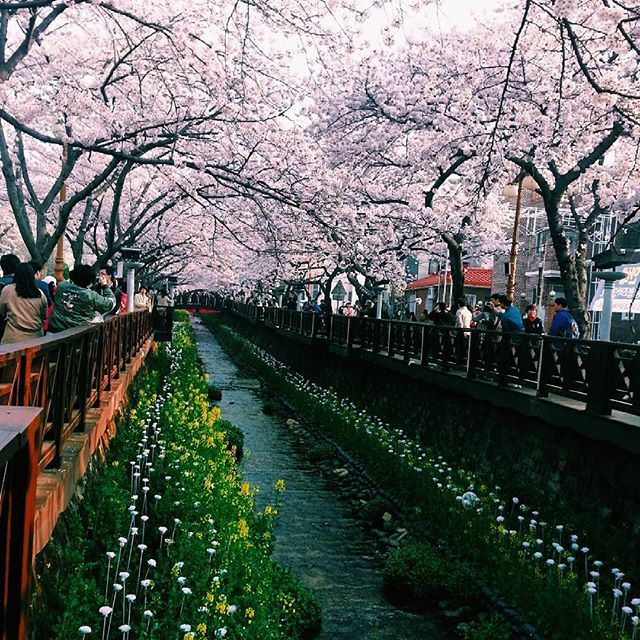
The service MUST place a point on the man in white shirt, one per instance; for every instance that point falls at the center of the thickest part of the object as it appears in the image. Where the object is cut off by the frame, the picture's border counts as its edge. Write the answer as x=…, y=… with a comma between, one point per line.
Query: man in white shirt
x=463, y=314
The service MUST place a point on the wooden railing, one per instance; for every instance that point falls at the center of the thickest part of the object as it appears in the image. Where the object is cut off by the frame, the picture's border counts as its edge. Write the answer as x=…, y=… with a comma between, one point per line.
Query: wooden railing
x=600, y=376
x=47, y=386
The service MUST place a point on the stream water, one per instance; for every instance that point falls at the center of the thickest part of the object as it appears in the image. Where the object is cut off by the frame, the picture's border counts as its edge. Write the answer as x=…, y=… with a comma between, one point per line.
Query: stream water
x=316, y=536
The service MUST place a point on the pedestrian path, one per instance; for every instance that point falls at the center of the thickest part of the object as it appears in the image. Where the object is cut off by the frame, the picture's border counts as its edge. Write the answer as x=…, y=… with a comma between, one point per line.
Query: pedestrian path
x=316, y=536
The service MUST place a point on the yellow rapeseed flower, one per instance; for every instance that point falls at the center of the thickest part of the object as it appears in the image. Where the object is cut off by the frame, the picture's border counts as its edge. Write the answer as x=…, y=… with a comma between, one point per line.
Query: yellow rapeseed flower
x=250, y=613
x=245, y=489
x=202, y=628
x=243, y=528
x=279, y=485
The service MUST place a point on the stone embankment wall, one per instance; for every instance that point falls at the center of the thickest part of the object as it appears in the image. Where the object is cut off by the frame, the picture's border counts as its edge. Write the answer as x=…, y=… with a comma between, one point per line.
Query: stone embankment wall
x=587, y=485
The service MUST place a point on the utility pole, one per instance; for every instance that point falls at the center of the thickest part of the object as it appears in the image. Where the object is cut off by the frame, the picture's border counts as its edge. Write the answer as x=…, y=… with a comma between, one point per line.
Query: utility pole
x=60, y=246
x=513, y=257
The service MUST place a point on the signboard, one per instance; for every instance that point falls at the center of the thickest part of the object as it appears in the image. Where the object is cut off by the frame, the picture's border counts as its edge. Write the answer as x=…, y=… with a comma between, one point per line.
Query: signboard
x=623, y=292
x=338, y=292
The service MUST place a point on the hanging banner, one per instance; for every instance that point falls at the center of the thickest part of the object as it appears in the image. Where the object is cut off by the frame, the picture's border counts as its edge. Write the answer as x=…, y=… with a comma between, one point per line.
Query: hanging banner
x=623, y=292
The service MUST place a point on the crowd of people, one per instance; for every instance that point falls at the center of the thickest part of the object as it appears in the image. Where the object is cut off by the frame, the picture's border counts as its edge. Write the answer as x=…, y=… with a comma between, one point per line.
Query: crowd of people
x=496, y=314
x=32, y=305
x=499, y=314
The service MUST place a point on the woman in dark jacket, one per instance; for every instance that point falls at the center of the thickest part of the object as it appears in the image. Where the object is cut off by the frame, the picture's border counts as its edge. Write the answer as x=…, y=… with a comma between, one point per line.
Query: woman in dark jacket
x=531, y=322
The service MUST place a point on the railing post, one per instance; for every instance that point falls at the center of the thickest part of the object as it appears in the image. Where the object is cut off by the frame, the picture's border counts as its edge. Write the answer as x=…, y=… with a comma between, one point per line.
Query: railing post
x=313, y=325
x=545, y=364
x=390, y=336
x=599, y=377
x=407, y=337
x=424, y=347
x=349, y=331
x=17, y=516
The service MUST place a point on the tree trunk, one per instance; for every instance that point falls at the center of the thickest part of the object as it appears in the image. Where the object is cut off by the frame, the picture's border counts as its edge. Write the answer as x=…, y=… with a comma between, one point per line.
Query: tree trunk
x=454, y=246
x=573, y=291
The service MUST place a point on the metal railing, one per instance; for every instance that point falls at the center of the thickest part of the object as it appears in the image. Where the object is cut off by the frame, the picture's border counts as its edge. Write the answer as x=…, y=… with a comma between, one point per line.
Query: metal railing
x=602, y=376
x=47, y=387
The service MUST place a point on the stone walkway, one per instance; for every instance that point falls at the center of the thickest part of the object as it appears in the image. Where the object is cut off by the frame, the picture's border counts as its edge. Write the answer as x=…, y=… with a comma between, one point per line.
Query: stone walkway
x=316, y=537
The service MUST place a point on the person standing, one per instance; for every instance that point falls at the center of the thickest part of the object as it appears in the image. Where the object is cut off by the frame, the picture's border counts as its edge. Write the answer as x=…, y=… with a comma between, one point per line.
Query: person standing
x=563, y=324
x=440, y=316
x=510, y=319
x=463, y=314
x=141, y=300
x=532, y=324
x=24, y=306
x=76, y=304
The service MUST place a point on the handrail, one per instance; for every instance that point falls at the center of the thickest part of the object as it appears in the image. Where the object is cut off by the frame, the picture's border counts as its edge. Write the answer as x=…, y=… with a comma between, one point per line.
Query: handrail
x=66, y=373
x=47, y=386
x=601, y=375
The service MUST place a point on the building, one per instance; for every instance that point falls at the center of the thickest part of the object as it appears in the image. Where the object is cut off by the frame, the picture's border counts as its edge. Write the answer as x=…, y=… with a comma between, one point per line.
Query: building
x=421, y=295
x=537, y=277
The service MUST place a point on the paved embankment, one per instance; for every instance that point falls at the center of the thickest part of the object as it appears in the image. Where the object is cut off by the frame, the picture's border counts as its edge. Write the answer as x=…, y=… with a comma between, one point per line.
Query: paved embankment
x=316, y=536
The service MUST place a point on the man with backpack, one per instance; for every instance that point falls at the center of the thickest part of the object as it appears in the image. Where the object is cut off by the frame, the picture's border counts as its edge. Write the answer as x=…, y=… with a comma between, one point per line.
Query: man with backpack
x=563, y=325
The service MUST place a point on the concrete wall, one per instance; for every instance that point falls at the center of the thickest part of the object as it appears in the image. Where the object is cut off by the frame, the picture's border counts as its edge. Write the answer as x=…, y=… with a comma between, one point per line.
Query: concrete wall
x=586, y=484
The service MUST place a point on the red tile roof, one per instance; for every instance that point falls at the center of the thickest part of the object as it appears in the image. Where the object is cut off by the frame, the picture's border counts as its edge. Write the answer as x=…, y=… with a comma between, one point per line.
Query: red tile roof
x=473, y=277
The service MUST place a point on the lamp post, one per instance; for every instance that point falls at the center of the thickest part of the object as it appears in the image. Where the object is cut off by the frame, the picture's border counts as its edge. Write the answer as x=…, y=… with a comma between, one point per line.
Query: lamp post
x=172, y=281
x=130, y=256
x=609, y=277
x=59, y=264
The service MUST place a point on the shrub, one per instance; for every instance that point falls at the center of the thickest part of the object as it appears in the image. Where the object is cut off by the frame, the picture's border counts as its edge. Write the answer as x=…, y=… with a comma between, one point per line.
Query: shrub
x=233, y=437
x=373, y=511
x=270, y=407
x=418, y=572
x=320, y=452
x=485, y=628
x=214, y=393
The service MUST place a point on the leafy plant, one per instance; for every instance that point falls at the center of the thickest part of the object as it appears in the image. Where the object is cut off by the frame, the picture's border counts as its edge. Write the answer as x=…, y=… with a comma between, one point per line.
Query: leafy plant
x=485, y=627
x=419, y=572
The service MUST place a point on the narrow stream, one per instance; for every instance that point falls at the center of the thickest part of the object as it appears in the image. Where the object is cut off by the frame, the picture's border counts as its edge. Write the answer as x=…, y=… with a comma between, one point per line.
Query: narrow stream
x=316, y=536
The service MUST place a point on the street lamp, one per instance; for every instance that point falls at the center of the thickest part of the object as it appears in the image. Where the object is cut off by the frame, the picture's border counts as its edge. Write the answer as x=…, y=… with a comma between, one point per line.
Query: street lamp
x=172, y=281
x=130, y=256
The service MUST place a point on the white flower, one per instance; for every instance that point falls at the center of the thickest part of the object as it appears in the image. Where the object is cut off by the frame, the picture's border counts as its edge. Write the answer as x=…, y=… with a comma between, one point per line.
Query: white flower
x=597, y=563
x=232, y=608
x=151, y=562
x=585, y=550
x=551, y=562
x=626, y=586
x=111, y=555
x=627, y=610
x=124, y=628
x=105, y=611
x=142, y=547
x=131, y=597
x=537, y=555
x=181, y=580
x=117, y=587
x=148, y=613
x=186, y=591
x=617, y=593
x=123, y=575
x=162, y=530
x=122, y=541
x=84, y=630
x=499, y=519
x=221, y=632
x=185, y=628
